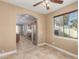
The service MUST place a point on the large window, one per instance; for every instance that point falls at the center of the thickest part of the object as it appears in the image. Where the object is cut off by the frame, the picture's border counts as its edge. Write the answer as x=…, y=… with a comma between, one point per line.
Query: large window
x=66, y=25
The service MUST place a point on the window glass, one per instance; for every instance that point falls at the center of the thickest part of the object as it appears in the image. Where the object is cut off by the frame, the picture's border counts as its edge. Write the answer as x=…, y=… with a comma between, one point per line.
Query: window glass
x=59, y=26
x=66, y=25
x=73, y=24
x=17, y=29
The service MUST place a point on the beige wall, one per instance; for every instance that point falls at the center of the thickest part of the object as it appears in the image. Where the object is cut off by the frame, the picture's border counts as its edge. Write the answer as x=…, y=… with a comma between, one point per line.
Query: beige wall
x=66, y=44
x=8, y=15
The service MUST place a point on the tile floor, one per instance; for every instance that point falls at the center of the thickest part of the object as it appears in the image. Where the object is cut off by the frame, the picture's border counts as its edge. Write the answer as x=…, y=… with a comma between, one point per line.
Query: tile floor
x=26, y=50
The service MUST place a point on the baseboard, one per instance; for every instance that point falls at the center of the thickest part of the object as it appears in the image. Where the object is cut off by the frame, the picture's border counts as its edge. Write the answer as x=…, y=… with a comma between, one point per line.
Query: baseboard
x=7, y=53
x=41, y=44
x=62, y=50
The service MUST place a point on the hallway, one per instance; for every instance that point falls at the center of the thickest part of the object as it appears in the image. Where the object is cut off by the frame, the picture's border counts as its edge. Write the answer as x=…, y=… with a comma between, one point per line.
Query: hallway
x=26, y=50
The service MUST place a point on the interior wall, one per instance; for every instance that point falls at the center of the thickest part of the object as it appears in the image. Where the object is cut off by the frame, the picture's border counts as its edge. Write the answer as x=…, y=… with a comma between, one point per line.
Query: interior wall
x=66, y=44
x=45, y=24
x=8, y=15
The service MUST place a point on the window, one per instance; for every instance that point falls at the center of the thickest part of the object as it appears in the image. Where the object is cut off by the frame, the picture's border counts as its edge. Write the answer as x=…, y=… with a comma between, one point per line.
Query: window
x=66, y=25
x=17, y=29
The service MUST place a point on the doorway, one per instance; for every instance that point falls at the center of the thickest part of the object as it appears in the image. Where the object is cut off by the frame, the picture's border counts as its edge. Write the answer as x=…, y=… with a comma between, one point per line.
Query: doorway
x=26, y=26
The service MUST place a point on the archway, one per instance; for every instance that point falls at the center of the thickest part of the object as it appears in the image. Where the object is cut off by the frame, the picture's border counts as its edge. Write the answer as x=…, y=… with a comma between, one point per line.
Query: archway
x=26, y=26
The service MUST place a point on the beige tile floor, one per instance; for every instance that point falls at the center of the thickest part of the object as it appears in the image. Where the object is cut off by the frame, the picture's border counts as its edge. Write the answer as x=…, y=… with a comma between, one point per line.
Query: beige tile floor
x=26, y=50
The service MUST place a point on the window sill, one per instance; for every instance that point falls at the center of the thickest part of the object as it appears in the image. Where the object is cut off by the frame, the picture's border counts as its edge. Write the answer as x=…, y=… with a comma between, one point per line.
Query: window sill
x=58, y=37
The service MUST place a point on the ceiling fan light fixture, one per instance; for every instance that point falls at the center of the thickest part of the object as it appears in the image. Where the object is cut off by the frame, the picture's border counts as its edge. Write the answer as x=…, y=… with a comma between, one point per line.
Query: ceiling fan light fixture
x=44, y=4
x=47, y=1
x=48, y=4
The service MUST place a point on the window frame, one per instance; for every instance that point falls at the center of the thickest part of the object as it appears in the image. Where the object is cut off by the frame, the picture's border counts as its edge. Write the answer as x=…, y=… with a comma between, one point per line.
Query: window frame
x=63, y=29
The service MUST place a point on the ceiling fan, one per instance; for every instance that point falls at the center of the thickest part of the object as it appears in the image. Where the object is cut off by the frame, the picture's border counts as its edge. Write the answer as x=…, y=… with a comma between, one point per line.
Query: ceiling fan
x=46, y=3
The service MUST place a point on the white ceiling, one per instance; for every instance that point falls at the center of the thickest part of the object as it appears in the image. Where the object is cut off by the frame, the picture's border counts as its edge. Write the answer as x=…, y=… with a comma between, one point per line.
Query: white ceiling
x=24, y=19
x=28, y=4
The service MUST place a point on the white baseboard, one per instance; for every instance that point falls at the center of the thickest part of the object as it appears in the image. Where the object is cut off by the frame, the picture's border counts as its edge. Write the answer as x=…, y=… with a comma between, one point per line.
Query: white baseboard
x=7, y=53
x=62, y=50
x=41, y=44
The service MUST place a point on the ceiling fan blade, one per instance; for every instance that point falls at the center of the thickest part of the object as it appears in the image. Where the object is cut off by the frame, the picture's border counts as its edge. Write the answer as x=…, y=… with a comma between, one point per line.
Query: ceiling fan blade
x=57, y=1
x=38, y=3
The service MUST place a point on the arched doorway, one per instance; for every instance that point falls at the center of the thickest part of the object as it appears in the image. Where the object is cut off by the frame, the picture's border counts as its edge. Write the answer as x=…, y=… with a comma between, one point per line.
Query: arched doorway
x=26, y=26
